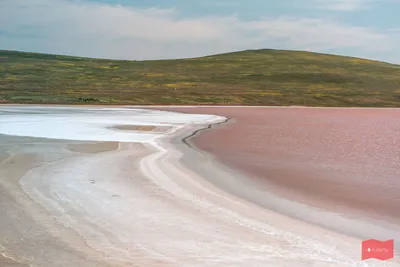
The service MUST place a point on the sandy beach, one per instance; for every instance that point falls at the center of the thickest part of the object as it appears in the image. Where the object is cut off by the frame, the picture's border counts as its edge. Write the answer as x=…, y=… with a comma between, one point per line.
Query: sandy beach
x=123, y=193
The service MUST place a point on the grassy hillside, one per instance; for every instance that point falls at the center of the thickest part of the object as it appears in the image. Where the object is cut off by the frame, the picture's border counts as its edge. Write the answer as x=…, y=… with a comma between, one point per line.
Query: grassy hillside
x=257, y=77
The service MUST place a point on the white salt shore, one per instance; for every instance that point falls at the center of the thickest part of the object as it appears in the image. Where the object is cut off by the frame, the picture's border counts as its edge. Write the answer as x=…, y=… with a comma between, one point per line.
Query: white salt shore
x=90, y=124
x=139, y=206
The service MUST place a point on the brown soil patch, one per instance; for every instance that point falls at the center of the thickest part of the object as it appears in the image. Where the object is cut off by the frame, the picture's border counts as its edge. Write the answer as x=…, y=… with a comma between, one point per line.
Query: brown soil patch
x=143, y=128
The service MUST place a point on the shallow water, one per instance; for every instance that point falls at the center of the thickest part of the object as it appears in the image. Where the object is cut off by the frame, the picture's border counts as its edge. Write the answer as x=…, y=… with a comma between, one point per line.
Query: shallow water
x=339, y=160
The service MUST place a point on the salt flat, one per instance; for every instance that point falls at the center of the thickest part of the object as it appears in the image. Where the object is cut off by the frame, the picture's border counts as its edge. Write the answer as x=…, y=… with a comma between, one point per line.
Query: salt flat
x=70, y=198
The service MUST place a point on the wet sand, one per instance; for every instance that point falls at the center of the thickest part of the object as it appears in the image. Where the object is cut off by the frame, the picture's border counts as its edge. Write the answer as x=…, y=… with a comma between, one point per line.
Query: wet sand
x=343, y=160
x=30, y=236
x=7, y=262
x=97, y=147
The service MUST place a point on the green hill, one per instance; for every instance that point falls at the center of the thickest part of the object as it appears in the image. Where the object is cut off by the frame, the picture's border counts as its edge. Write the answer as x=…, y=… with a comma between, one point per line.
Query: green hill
x=254, y=77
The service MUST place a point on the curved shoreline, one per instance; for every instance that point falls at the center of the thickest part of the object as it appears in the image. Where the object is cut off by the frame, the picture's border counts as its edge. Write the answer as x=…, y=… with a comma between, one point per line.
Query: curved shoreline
x=360, y=228
x=186, y=140
x=176, y=160
x=185, y=210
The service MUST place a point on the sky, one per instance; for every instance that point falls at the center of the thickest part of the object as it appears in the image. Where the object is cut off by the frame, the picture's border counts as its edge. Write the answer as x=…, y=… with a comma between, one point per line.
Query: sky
x=163, y=29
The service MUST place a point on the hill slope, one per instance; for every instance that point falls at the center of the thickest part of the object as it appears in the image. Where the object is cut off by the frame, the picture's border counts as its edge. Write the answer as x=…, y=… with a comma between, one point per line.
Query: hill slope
x=254, y=77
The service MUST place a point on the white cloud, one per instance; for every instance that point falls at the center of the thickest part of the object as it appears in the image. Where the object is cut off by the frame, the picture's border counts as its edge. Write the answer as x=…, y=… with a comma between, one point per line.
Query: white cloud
x=101, y=30
x=346, y=5
x=342, y=5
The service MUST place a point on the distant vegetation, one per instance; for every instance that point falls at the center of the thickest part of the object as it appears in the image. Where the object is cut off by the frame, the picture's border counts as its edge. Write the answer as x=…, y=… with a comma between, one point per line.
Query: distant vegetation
x=256, y=77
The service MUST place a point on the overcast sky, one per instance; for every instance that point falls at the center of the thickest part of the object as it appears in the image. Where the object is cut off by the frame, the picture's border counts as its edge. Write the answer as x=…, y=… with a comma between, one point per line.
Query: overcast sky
x=154, y=29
